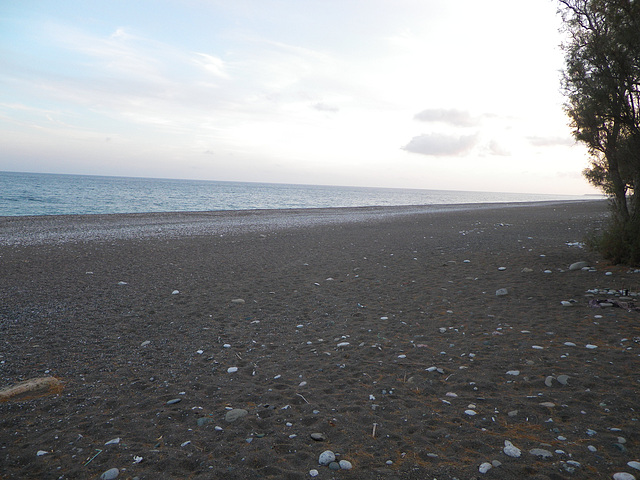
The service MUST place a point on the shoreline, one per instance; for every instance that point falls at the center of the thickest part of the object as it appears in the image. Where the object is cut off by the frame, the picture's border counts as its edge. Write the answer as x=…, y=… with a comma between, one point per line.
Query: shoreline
x=56, y=229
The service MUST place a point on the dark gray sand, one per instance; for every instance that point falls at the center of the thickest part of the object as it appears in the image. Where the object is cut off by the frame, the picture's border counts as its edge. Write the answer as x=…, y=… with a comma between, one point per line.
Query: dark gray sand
x=379, y=328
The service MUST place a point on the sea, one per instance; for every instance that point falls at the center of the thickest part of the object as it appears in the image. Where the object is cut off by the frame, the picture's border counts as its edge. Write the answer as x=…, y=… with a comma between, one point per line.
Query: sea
x=61, y=194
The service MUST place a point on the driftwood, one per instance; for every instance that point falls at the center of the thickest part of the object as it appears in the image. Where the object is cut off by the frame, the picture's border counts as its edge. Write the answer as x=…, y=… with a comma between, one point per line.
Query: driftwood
x=35, y=387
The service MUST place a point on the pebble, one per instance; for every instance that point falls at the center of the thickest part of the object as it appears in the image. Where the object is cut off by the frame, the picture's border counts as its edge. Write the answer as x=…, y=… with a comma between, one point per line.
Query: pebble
x=238, y=301
x=334, y=466
x=145, y=343
x=204, y=420
x=174, y=401
x=110, y=474
x=515, y=373
x=175, y=292
x=41, y=453
x=470, y=412
x=501, y=292
x=235, y=414
x=502, y=269
x=232, y=369
x=345, y=464
x=326, y=457
x=578, y=266
x=541, y=452
x=115, y=441
x=623, y=476
x=591, y=347
x=511, y=450
x=485, y=467
x=318, y=437
x=563, y=379
x=313, y=473
x=342, y=344
x=634, y=464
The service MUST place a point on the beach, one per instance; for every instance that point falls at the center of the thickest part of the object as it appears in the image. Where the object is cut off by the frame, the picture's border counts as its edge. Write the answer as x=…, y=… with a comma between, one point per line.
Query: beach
x=412, y=342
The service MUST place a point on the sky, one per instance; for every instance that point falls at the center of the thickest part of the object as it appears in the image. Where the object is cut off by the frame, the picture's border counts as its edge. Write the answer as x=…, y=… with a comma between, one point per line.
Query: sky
x=434, y=94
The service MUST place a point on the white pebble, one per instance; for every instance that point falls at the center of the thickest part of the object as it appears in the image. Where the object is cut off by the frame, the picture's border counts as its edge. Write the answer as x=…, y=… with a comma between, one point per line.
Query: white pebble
x=569, y=344
x=232, y=369
x=313, y=473
x=515, y=373
x=511, y=450
x=623, y=476
x=485, y=467
x=345, y=465
x=592, y=448
x=591, y=347
x=342, y=344
x=470, y=412
x=175, y=292
x=41, y=453
x=634, y=464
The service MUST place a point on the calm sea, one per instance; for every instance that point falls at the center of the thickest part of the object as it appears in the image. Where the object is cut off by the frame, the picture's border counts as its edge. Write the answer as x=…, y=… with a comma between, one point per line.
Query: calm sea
x=52, y=194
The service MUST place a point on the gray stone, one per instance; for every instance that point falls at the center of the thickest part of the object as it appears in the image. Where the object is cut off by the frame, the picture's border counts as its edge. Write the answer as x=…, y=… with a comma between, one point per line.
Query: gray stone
x=204, y=420
x=502, y=291
x=110, y=474
x=345, y=465
x=563, y=379
x=334, y=466
x=541, y=452
x=326, y=457
x=578, y=265
x=174, y=401
x=318, y=437
x=235, y=414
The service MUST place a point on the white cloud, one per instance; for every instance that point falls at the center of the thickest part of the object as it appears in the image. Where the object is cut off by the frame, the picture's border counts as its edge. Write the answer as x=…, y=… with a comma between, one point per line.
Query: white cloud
x=551, y=141
x=457, y=118
x=441, y=145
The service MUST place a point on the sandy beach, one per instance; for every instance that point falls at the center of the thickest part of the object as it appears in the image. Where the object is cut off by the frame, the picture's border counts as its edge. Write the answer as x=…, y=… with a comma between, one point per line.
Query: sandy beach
x=378, y=330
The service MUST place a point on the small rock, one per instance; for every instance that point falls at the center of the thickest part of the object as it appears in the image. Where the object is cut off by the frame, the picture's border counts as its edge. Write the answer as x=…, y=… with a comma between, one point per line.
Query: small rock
x=345, y=465
x=541, y=452
x=232, y=369
x=313, y=473
x=235, y=414
x=564, y=303
x=623, y=476
x=634, y=464
x=174, y=401
x=238, y=301
x=485, y=467
x=548, y=381
x=326, y=457
x=515, y=373
x=41, y=453
x=502, y=269
x=578, y=266
x=334, y=466
x=527, y=270
x=591, y=347
x=115, y=441
x=501, y=292
x=175, y=292
x=145, y=343
x=511, y=450
x=110, y=474
x=318, y=437
x=548, y=404
x=563, y=379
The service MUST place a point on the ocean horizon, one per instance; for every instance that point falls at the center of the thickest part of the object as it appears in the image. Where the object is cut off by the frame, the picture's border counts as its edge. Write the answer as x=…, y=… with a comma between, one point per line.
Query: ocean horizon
x=25, y=194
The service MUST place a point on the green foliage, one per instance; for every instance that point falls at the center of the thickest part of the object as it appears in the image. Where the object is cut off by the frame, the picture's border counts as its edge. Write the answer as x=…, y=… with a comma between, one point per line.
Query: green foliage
x=619, y=243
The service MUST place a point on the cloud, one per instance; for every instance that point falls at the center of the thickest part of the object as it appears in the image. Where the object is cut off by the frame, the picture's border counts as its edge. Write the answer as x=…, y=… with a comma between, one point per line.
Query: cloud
x=211, y=64
x=457, y=118
x=323, y=107
x=441, y=145
x=551, y=141
x=495, y=148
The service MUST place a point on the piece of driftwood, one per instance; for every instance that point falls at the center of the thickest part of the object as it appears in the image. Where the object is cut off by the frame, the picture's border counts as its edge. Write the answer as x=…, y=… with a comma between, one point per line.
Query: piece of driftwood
x=35, y=387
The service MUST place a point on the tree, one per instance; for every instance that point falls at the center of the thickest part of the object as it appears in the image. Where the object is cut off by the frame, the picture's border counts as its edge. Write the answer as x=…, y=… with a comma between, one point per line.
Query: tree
x=601, y=82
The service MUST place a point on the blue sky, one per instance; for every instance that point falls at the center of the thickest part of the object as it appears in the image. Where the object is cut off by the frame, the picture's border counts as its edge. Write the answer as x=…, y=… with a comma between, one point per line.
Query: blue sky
x=406, y=93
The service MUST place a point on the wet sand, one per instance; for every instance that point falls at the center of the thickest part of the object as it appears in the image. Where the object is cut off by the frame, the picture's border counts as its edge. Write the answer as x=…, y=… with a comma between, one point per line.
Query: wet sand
x=350, y=320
